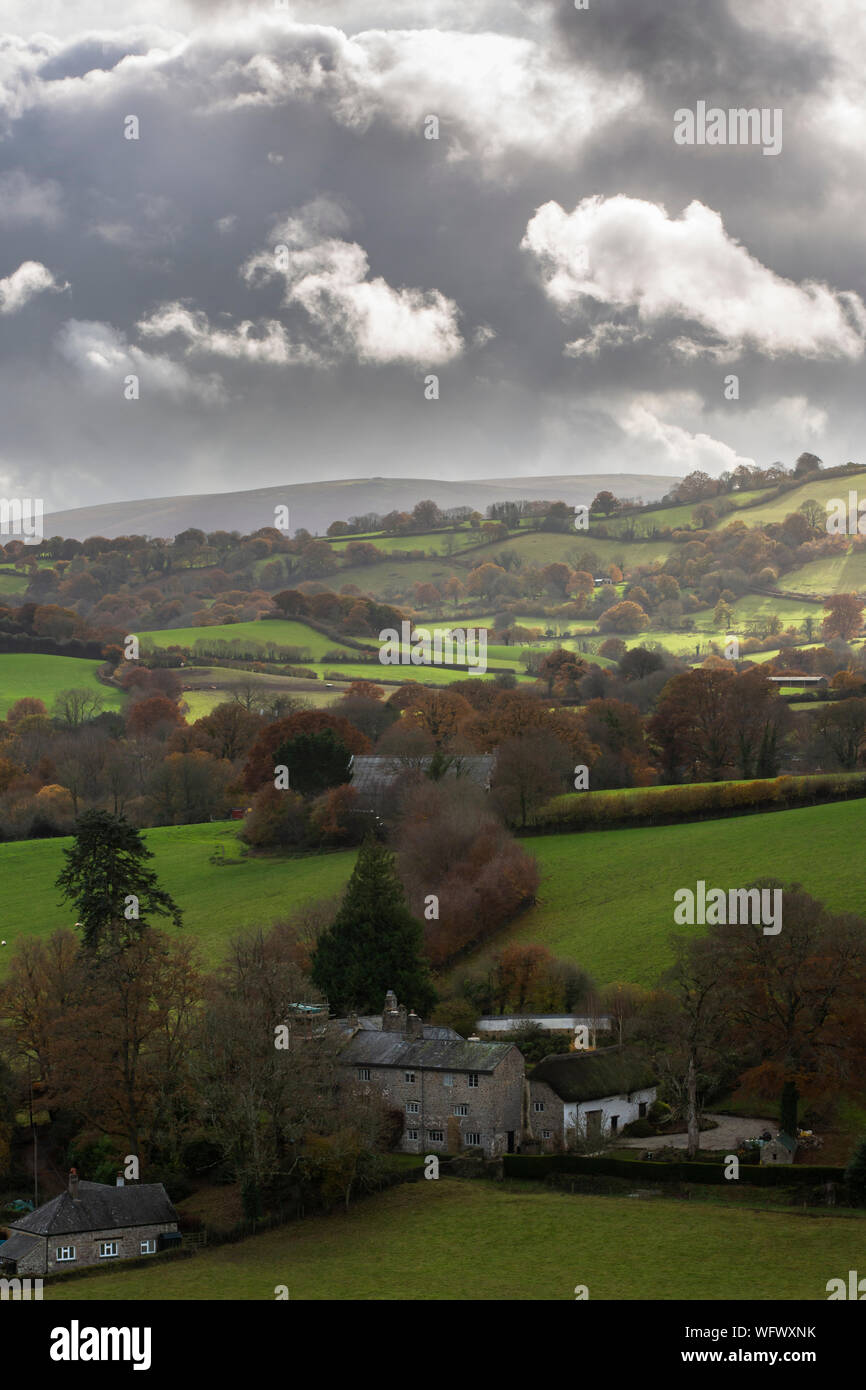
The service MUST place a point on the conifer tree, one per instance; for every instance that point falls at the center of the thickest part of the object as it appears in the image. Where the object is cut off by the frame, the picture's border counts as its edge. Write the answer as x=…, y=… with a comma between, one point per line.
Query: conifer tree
x=374, y=943
x=107, y=879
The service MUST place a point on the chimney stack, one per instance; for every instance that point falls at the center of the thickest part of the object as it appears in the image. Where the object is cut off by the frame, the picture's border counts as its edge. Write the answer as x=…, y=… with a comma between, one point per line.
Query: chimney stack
x=120, y=1180
x=73, y=1184
x=414, y=1026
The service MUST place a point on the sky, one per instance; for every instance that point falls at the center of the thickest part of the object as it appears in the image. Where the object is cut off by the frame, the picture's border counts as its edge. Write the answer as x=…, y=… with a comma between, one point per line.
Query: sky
x=233, y=254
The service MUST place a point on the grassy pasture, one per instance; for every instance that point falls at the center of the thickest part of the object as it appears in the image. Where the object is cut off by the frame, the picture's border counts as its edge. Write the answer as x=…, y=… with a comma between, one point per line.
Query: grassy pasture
x=479, y=1241
x=605, y=901
x=279, y=632
x=42, y=677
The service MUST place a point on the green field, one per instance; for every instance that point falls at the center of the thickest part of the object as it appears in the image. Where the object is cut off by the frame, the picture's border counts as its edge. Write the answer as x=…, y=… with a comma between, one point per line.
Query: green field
x=475, y=1241
x=822, y=490
x=792, y=611
x=605, y=901
x=43, y=677
x=844, y=573
x=606, y=897
x=11, y=583
x=279, y=633
x=433, y=542
x=677, y=516
x=216, y=901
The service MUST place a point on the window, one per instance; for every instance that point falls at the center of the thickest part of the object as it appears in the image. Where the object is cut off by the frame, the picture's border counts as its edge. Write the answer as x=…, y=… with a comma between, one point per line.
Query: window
x=411, y=1134
x=641, y=1109
x=436, y=1136
x=447, y=1079
x=538, y=1106
x=547, y=1134
x=461, y=1110
x=107, y=1248
x=409, y=1077
x=472, y=1139
x=413, y=1107
x=148, y=1247
x=64, y=1253
x=614, y=1123
x=363, y=1073
x=473, y=1078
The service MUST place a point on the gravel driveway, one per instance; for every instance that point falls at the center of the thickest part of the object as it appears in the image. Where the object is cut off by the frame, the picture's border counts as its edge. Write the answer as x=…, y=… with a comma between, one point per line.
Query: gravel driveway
x=730, y=1129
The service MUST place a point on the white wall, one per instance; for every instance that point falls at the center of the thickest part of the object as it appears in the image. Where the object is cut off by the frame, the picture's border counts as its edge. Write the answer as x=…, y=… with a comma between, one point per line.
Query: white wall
x=625, y=1107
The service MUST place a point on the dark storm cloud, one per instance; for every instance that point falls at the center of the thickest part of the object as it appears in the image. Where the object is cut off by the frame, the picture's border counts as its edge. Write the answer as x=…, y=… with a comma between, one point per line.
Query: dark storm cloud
x=689, y=45
x=260, y=380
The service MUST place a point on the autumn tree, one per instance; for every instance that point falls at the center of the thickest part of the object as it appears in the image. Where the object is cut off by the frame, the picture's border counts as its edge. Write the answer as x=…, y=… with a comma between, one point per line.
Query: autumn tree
x=844, y=616
x=623, y=617
x=797, y=996
x=529, y=771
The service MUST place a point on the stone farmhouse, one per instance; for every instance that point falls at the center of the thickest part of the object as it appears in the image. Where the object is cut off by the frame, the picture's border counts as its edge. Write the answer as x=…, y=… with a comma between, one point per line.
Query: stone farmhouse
x=587, y=1093
x=90, y=1223
x=454, y=1093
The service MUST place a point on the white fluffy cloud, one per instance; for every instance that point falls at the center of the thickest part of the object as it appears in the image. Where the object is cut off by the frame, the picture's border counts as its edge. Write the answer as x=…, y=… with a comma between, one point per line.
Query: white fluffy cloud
x=675, y=448
x=365, y=318
x=265, y=342
x=630, y=255
x=494, y=93
x=31, y=278
x=102, y=356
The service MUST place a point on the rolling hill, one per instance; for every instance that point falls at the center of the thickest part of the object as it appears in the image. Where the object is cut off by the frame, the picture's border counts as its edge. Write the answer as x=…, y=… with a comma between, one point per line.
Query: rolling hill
x=315, y=505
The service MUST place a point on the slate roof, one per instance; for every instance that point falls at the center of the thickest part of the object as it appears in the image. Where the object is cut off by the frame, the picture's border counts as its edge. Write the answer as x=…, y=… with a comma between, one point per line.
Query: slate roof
x=434, y=1054
x=372, y=1023
x=577, y=1076
x=374, y=772
x=99, y=1207
x=17, y=1246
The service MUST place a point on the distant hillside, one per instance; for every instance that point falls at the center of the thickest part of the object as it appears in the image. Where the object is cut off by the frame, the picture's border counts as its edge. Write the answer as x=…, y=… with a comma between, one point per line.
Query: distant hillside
x=315, y=505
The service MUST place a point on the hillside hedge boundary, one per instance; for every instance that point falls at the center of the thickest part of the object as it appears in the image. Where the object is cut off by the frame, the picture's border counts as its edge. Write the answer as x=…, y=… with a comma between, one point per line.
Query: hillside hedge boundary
x=536, y=1167
x=693, y=801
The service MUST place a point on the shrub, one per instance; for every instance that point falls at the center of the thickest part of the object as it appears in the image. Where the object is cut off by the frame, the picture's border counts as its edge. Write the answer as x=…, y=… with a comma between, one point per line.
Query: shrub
x=639, y=1129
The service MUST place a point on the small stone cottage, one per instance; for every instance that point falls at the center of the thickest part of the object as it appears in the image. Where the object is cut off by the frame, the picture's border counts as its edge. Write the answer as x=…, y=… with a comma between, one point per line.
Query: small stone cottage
x=90, y=1223
x=587, y=1093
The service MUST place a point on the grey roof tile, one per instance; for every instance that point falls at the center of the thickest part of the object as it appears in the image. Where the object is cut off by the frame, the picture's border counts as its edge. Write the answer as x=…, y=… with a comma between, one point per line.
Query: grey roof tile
x=100, y=1207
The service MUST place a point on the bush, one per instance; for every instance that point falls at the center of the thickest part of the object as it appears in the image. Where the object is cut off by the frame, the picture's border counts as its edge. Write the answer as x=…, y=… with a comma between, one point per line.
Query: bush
x=639, y=1129
x=659, y=1113
x=667, y=805
x=536, y=1168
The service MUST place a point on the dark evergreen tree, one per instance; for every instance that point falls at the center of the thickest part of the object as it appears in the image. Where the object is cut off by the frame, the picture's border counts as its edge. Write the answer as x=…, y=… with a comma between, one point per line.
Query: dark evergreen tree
x=105, y=869
x=315, y=761
x=374, y=943
x=788, y=1108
